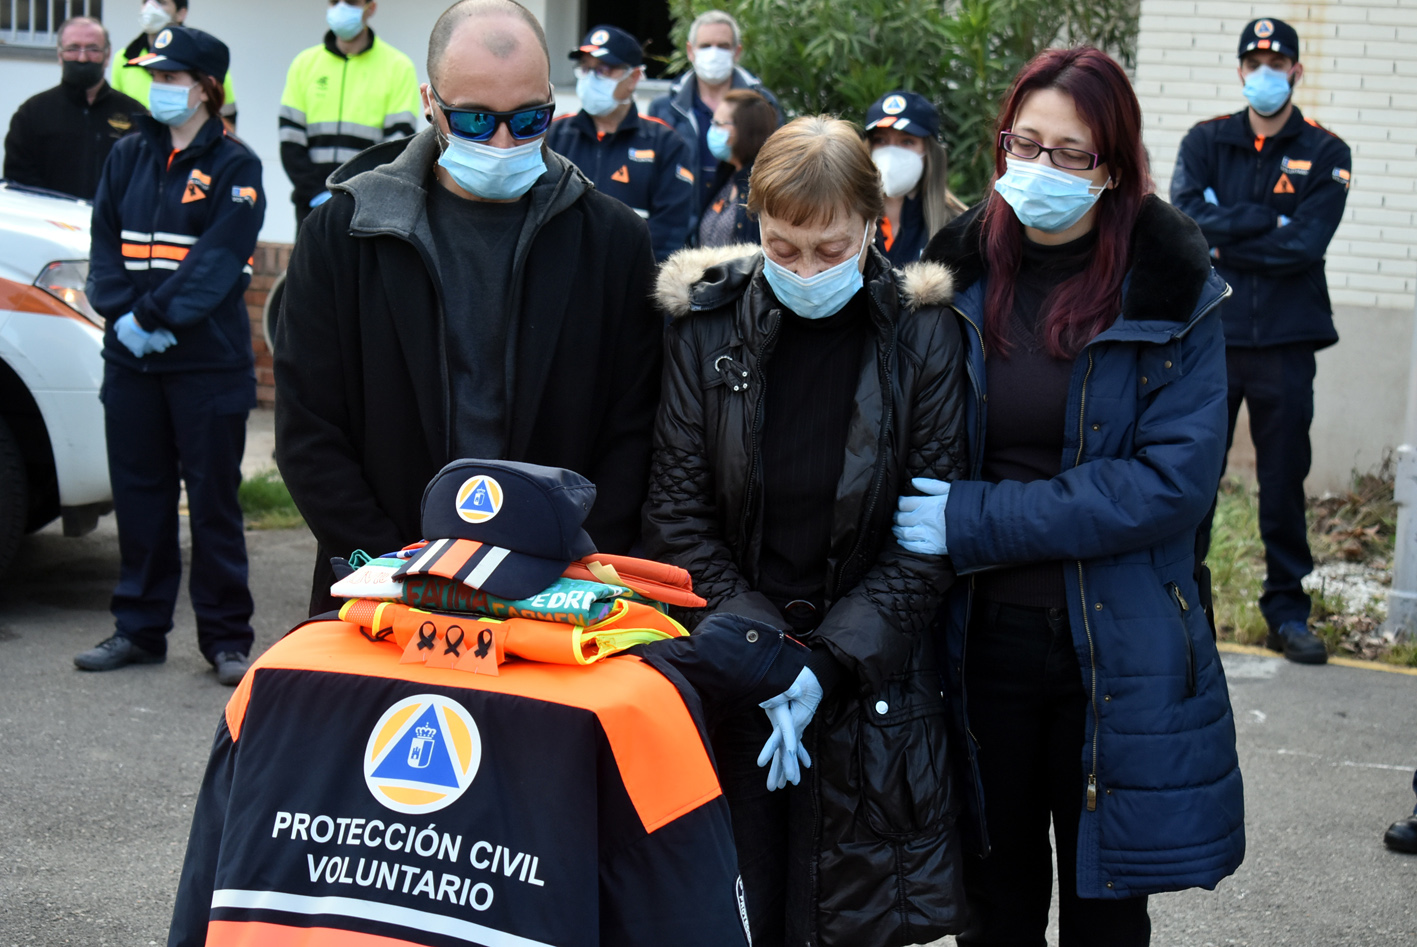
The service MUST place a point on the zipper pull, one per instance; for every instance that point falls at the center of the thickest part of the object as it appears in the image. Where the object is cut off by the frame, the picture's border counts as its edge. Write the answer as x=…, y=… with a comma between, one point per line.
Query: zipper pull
x=1185, y=606
x=1092, y=792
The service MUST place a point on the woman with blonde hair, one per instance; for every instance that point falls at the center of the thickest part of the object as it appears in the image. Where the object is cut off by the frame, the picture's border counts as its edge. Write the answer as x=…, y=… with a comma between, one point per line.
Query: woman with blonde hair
x=903, y=129
x=805, y=382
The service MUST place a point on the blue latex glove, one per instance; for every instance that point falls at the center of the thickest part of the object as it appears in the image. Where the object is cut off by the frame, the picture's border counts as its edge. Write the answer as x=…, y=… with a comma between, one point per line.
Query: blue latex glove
x=320, y=198
x=920, y=521
x=160, y=340
x=789, y=713
x=1210, y=197
x=133, y=336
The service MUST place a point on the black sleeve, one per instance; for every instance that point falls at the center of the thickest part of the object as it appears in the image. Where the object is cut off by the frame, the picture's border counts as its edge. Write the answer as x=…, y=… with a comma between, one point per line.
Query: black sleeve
x=1194, y=173
x=731, y=662
x=198, y=880
x=304, y=174
x=621, y=471
x=315, y=438
x=22, y=164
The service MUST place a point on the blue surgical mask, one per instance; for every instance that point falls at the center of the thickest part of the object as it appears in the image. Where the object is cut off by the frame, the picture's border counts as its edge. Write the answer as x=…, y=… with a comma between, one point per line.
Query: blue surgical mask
x=718, y=145
x=1045, y=198
x=168, y=103
x=597, y=93
x=495, y=174
x=345, y=21
x=1267, y=90
x=820, y=296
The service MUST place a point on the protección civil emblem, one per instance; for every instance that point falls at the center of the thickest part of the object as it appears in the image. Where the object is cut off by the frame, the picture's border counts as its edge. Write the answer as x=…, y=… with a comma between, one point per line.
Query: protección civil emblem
x=479, y=499
x=422, y=754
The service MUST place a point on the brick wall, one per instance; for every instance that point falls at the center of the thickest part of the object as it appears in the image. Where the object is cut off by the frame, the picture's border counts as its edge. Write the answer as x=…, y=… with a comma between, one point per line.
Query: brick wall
x=1360, y=81
x=271, y=261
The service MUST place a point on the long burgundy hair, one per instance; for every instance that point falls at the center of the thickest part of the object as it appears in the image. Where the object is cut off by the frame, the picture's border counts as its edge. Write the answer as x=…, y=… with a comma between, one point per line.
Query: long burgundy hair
x=1086, y=304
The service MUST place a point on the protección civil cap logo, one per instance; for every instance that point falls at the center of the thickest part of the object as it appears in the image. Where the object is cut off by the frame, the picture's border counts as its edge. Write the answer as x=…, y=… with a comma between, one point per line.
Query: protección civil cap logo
x=162, y=40
x=1264, y=29
x=422, y=754
x=479, y=499
x=600, y=37
x=893, y=105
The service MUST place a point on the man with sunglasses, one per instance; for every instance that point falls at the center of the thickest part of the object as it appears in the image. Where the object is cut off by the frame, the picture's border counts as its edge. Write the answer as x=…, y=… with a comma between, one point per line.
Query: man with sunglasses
x=60, y=138
x=466, y=292
x=631, y=157
x=1268, y=187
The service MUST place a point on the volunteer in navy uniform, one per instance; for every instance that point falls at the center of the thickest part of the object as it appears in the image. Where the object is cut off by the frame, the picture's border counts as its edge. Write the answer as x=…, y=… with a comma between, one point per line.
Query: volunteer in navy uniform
x=633, y=158
x=60, y=138
x=466, y=292
x=174, y=226
x=714, y=48
x=1267, y=187
x=903, y=129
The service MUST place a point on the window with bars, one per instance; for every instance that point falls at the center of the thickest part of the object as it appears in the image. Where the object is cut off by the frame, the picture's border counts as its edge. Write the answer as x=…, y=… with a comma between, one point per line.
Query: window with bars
x=34, y=23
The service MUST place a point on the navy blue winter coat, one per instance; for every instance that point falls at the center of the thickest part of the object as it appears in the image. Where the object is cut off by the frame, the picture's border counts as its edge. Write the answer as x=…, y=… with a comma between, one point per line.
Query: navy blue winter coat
x=172, y=241
x=1142, y=459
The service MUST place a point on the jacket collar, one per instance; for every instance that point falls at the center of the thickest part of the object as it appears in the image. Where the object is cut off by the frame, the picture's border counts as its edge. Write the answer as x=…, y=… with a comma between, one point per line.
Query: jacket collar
x=1236, y=129
x=1170, y=262
x=584, y=123
x=80, y=97
x=388, y=183
x=160, y=137
x=704, y=278
x=332, y=44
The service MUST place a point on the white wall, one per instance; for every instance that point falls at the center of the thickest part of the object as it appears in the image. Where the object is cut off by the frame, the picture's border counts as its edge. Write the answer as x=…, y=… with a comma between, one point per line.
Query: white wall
x=1360, y=81
x=264, y=36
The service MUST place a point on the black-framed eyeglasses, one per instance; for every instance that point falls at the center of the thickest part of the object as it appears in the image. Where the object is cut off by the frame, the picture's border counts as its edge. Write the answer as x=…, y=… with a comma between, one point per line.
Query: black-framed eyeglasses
x=1071, y=159
x=481, y=124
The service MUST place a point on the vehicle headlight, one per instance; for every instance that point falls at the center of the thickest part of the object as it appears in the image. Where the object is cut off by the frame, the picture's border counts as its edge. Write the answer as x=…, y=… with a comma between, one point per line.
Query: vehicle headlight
x=65, y=280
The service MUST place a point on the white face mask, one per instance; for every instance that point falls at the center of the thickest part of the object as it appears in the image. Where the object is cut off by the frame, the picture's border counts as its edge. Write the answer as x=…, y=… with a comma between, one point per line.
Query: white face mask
x=153, y=17
x=713, y=64
x=901, y=169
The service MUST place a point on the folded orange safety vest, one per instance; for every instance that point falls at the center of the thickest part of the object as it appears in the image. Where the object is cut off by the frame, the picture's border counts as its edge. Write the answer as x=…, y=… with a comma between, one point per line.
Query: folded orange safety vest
x=654, y=580
x=478, y=644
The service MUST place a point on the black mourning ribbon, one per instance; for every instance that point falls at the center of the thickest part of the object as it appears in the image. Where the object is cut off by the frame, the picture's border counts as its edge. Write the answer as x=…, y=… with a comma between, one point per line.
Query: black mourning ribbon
x=484, y=643
x=452, y=646
x=429, y=640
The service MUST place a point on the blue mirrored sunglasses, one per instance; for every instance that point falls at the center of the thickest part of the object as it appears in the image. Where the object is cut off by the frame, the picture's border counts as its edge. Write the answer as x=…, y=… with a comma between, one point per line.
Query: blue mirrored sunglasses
x=481, y=124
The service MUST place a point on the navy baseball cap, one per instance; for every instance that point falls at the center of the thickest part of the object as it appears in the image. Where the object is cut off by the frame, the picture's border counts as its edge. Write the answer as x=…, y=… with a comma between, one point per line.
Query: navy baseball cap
x=1271, y=34
x=183, y=49
x=611, y=45
x=503, y=527
x=909, y=112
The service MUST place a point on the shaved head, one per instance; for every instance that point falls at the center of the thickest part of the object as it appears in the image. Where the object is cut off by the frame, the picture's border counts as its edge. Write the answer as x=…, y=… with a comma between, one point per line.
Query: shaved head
x=507, y=28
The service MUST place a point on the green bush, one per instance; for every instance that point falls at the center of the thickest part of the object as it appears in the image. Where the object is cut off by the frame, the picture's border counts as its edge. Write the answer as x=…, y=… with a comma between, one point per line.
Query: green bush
x=266, y=503
x=839, y=56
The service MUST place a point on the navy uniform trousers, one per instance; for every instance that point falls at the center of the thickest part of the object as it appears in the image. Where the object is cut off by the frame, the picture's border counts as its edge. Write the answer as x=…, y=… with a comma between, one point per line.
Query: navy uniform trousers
x=164, y=429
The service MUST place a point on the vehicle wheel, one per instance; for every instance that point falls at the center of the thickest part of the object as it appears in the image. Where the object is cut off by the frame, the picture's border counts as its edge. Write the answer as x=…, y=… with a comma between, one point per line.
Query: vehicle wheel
x=14, y=495
x=270, y=317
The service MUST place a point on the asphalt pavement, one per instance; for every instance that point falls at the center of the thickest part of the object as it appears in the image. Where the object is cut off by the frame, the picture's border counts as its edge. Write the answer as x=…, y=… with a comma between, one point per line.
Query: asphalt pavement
x=98, y=772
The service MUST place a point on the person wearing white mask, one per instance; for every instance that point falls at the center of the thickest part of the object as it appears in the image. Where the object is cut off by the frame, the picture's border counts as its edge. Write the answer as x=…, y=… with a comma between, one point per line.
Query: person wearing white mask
x=466, y=292
x=349, y=93
x=806, y=381
x=153, y=15
x=903, y=129
x=633, y=158
x=714, y=47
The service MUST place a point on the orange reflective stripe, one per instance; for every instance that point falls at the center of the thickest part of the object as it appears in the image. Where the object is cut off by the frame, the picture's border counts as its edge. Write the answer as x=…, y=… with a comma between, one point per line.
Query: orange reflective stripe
x=661, y=757
x=137, y=251
x=262, y=934
x=163, y=252
x=888, y=232
x=454, y=558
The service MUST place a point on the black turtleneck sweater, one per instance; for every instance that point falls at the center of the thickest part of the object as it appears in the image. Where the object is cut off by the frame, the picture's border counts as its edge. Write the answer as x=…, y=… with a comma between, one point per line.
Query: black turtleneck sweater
x=1028, y=396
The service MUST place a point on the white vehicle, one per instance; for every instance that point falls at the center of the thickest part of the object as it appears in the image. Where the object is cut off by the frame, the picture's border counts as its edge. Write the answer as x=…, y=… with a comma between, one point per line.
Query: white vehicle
x=53, y=457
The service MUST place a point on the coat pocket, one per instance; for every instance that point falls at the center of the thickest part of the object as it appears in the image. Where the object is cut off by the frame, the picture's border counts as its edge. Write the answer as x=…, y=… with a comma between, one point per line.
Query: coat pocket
x=1174, y=590
x=902, y=752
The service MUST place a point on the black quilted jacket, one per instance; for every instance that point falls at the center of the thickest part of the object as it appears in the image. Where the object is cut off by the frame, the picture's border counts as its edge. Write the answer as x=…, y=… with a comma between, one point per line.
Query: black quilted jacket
x=885, y=866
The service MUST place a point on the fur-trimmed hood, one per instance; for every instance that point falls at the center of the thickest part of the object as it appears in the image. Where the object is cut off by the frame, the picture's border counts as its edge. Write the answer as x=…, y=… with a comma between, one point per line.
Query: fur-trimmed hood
x=1169, y=267
x=708, y=277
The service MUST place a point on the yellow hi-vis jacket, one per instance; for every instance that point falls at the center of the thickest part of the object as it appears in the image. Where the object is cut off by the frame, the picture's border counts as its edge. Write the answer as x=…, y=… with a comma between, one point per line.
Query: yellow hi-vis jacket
x=334, y=106
x=135, y=82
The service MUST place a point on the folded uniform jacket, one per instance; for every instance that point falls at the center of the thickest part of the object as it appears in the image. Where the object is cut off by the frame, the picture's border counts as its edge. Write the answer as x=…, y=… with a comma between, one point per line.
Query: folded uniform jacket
x=479, y=644
x=657, y=581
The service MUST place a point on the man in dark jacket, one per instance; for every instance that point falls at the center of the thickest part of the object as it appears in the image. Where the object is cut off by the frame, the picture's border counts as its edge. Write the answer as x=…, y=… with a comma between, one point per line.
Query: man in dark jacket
x=449, y=302
x=633, y=158
x=715, y=46
x=60, y=138
x=1268, y=187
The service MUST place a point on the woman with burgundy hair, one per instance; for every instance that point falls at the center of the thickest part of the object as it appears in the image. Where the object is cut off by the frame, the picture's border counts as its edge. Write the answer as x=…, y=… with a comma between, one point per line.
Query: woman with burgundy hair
x=1092, y=695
